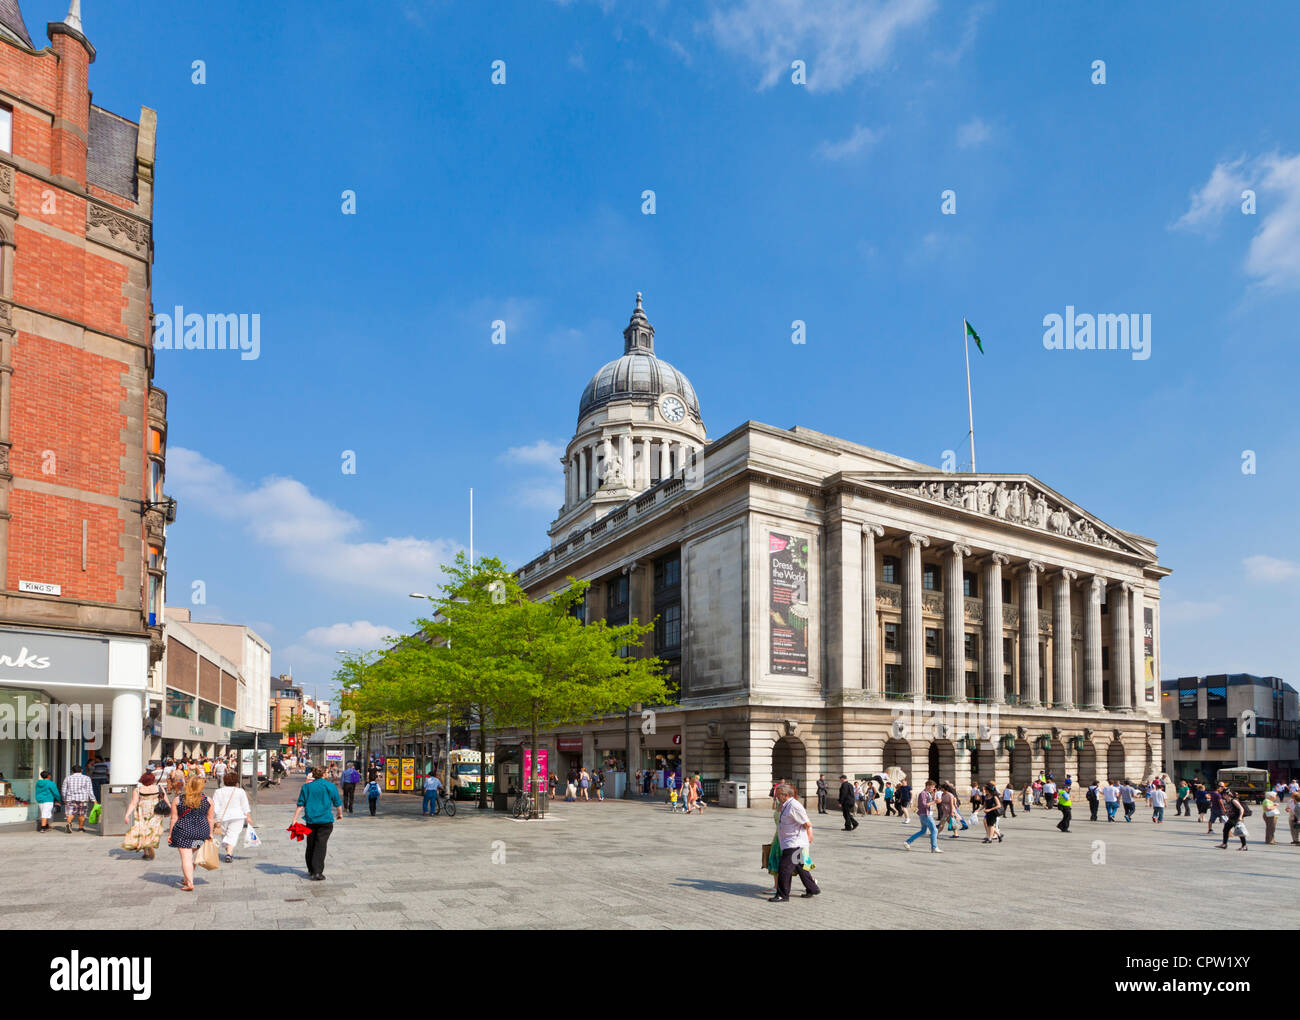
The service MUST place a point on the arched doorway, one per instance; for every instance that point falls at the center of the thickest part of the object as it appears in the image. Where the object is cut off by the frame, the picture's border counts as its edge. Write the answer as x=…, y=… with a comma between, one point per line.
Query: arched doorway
x=1021, y=765
x=788, y=762
x=942, y=761
x=898, y=754
x=983, y=766
x=1115, y=764
x=1088, y=764
x=1056, y=761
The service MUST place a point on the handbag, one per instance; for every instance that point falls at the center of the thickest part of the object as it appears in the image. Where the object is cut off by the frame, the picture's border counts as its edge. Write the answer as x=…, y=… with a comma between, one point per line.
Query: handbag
x=96, y=813
x=767, y=854
x=206, y=856
x=162, y=807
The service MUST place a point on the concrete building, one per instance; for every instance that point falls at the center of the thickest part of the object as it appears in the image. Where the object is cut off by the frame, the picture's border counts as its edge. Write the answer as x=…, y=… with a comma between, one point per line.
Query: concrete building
x=1220, y=721
x=826, y=607
x=203, y=691
x=241, y=645
x=83, y=431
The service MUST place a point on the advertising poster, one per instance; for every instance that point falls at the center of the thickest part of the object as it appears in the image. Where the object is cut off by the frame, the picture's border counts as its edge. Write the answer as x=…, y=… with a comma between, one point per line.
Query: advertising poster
x=408, y=774
x=334, y=757
x=1149, y=650
x=392, y=774
x=540, y=774
x=788, y=603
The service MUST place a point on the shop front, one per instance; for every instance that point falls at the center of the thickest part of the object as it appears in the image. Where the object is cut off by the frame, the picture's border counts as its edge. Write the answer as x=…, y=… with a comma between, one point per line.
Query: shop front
x=63, y=699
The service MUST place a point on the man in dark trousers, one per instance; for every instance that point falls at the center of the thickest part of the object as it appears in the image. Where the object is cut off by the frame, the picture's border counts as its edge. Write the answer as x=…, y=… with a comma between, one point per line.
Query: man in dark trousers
x=821, y=795
x=847, y=799
x=1063, y=802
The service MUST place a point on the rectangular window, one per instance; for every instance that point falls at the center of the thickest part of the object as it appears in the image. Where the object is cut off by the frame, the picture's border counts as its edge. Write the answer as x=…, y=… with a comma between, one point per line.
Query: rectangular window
x=616, y=593
x=179, y=706
x=970, y=586
x=155, y=441
x=668, y=572
x=973, y=684
x=893, y=678
x=1040, y=596
x=6, y=128
x=228, y=718
x=1105, y=657
x=931, y=641
x=1006, y=591
x=155, y=558
x=933, y=681
x=889, y=570
x=891, y=637
x=155, y=600
x=155, y=481
x=972, y=646
x=207, y=712
x=668, y=630
x=930, y=578
x=1216, y=701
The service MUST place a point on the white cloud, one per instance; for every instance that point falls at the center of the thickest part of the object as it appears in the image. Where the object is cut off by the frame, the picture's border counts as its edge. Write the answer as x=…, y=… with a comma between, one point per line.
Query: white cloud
x=359, y=635
x=1273, y=258
x=861, y=138
x=541, y=495
x=1270, y=569
x=311, y=536
x=840, y=40
x=974, y=132
x=542, y=453
x=1221, y=191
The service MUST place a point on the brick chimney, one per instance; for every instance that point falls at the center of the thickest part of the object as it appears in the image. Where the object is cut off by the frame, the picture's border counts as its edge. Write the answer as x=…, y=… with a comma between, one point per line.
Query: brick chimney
x=71, y=133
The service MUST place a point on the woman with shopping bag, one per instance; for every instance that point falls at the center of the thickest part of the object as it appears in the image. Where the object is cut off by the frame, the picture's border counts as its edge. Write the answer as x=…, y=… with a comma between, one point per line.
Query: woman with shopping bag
x=192, y=829
x=145, y=831
x=231, y=809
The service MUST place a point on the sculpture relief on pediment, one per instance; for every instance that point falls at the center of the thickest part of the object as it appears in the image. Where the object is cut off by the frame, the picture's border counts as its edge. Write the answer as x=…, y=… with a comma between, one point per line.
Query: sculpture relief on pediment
x=1019, y=503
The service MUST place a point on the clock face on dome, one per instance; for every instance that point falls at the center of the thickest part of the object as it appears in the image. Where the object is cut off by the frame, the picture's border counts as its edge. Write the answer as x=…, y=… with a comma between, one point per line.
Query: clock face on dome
x=672, y=407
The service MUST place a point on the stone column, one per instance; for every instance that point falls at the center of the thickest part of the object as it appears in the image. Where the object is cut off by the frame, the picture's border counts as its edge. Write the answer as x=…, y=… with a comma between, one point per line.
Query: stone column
x=913, y=621
x=1121, y=663
x=870, y=622
x=665, y=459
x=126, y=746
x=625, y=456
x=600, y=470
x=1136, y=604
x=643, y=476
x=954, y=625
x=1029, y=675
x=1062, y=641
x=841, y=622
x=993, y=691
x=1092, y=687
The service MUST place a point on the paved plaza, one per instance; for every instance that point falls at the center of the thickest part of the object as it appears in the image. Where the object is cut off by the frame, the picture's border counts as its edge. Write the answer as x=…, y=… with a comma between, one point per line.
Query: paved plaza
x=635, y=865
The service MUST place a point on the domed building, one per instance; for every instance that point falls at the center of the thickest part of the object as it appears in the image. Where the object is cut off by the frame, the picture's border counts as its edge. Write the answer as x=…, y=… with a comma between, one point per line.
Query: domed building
x=639, y=424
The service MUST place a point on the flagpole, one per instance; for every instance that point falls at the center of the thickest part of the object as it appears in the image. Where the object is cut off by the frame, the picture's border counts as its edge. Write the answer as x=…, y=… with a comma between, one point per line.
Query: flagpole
x=970, y=408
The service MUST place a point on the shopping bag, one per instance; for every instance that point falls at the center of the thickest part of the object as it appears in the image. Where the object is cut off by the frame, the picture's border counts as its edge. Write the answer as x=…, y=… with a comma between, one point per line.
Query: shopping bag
x=251, y=838
x=767, y=853
x=95, y=813
x=206, y=856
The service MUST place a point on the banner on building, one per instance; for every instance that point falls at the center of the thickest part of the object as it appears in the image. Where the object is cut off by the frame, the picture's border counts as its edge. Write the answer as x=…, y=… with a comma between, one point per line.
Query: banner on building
x=788, y=603
x=1149, y=650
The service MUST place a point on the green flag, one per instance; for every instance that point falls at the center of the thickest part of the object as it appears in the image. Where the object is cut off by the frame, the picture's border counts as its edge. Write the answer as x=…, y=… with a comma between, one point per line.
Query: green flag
x=970, y=332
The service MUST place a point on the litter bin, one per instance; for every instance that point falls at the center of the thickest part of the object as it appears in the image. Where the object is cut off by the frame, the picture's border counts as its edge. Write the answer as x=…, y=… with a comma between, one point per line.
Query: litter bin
x=113, y=802
x=742, y=795
x=733, y=794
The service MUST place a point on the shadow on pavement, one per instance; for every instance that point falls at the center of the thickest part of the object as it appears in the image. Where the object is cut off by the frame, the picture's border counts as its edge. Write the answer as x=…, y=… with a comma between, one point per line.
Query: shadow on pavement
x=749, y=890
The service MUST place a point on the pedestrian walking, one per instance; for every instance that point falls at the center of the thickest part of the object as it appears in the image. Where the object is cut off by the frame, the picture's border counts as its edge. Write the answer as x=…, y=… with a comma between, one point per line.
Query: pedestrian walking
x=1128, y=797
x=1063, y=802
x=432, y=786
x=1110, y=796
x=372, y=795
x=1234, y=812
x=144, y=822
x=191, y=826
x=991, y=814
x=320, y=806
x=350, y=779
x=1269, y=807
x=821, y=794
x=903, y=799
x=889, y=798
x=1157, y=801
x=1027, y=797
x=78, y=795
x=872, y=795
x=846, y=801
x=794, y=834
x=1093, y=797
x=924, y=803
x=1293, y=809
x=46, y=796
x=1217, y=807
x=1183, y=805
x=1202, y=797
x=1038, y=792
x=1049, y=793
x=232, y=811
x=584, y=784
x=1008, y=801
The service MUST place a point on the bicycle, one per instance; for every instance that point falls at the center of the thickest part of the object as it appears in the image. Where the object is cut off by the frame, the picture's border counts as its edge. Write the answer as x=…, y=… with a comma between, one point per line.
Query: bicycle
x=525, y=805
x=443, y=803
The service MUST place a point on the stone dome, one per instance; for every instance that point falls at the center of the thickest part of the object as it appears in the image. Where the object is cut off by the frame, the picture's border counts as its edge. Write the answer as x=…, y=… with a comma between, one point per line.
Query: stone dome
x=638, y=375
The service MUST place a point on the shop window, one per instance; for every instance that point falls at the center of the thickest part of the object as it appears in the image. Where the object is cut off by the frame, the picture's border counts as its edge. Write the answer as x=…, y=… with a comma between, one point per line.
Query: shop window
x=179, y=706
x=228, y=718
x=207, y=712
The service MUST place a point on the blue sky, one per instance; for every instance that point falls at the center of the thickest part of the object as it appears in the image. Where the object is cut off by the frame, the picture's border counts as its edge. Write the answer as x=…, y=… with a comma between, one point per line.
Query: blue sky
x=774, y=201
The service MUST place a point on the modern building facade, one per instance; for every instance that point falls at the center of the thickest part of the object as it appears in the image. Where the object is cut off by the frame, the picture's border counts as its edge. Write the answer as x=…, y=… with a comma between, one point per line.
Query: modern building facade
x=83, y=431
x=1229, y=719
x=203, y=692
x=245, y=647
x=825, y=607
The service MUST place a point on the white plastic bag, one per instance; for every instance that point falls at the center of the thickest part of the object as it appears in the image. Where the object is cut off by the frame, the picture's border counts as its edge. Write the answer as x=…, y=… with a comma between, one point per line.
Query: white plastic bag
x=251, y=838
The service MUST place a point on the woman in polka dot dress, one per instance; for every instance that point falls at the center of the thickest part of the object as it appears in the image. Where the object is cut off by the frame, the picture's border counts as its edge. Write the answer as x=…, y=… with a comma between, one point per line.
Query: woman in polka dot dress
x=191, y=826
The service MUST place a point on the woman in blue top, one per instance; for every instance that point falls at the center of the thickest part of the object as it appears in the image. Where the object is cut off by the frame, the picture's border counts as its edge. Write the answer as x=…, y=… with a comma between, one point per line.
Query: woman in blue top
x=319, y=805
x=47, y=795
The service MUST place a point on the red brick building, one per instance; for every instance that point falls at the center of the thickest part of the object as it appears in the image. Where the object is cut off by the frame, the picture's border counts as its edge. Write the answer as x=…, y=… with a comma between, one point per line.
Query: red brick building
x=83, y=431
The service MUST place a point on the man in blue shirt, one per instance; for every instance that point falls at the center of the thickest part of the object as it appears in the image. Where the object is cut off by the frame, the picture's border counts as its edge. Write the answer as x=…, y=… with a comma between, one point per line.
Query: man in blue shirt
x=319, y=805
x=432, y=784
x=350, y=779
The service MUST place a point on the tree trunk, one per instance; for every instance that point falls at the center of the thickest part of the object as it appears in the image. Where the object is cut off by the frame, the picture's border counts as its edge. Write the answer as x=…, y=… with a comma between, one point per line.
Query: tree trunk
x=482, y=761
x=533, y=768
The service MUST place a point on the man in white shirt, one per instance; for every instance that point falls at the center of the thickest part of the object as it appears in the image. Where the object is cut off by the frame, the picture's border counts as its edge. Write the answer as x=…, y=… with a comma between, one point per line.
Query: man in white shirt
x=1157, y=799
x=1049, y=793
x=1110, y=794
x=1008, y=801
x=794, y=833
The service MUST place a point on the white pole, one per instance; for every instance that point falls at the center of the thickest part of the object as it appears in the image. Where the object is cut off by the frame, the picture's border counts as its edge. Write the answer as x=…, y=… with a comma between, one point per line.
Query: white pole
x=471, y=528
x=970, y=409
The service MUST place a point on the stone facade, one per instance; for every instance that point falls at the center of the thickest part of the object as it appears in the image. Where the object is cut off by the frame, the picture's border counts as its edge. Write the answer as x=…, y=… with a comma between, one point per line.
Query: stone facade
x=846, y=610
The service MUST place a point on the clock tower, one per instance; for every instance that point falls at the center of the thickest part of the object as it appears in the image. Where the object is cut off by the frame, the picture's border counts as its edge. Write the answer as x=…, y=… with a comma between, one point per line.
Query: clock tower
x=639, y=424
